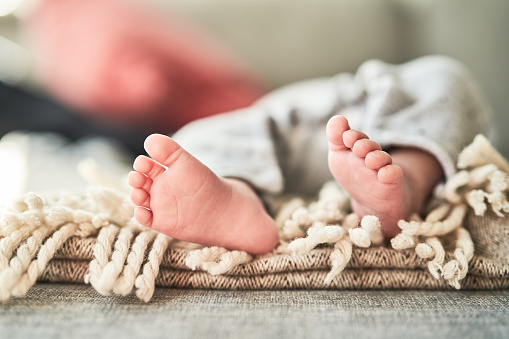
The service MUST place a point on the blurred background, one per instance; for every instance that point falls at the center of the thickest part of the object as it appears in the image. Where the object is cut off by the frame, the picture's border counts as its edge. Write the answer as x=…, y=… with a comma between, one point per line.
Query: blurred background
x=223, y=54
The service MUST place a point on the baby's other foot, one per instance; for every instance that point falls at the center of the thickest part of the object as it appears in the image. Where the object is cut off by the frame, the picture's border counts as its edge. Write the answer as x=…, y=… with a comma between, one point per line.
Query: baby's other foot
x=179, y=196
x=376, y=185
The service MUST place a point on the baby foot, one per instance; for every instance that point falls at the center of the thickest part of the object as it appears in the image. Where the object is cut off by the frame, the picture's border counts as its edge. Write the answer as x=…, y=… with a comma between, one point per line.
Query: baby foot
x=376, y=185
x=179, y=196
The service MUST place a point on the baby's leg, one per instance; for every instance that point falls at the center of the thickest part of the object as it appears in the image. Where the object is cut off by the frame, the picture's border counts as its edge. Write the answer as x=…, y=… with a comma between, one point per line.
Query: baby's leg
x=179, y=196
x=390, y=186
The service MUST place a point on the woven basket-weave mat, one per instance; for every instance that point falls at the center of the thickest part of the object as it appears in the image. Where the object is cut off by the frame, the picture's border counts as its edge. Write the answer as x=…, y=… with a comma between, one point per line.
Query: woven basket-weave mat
x=369, y=268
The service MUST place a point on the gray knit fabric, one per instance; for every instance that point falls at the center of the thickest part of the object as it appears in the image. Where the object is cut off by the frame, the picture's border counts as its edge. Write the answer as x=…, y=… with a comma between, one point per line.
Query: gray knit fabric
x=77, y=311
x=279, y=144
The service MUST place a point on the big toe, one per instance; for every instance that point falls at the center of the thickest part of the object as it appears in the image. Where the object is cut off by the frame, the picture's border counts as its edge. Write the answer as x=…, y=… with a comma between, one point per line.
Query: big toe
x=162, y=148
x=147, y=166
x=336, y=126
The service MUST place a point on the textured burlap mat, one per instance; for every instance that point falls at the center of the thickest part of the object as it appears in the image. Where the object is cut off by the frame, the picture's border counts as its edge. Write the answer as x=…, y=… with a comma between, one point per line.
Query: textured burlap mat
x=370, y=268
x=462, y=242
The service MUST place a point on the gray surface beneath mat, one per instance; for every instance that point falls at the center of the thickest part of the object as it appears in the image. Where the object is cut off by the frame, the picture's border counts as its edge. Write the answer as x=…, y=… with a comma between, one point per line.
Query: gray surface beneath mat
x=78, y=311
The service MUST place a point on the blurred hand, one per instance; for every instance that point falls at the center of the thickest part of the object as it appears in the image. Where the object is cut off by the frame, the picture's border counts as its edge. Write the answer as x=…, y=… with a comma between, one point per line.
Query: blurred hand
x=119, y=61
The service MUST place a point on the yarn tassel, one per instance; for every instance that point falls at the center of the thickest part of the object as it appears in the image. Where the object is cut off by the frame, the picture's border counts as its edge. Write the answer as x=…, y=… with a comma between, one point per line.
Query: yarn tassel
x=125, y=282
x=145, y=283
x=111, y=271
x=432, y=248
x=102, y=251
x=456, y=269
x=46, y=253
x=339, y=258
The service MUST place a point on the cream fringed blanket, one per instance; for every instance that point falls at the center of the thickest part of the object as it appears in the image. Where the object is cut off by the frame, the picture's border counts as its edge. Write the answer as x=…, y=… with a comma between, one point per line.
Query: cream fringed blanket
x=92, y=238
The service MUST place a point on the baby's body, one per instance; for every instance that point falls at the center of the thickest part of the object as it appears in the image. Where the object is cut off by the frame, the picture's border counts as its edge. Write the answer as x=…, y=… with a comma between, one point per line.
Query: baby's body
x=213, y=205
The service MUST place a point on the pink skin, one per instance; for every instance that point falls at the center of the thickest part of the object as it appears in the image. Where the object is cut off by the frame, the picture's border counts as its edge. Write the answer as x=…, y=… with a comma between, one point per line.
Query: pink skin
x=390, y=186
x=179, y=196
x=134, y=64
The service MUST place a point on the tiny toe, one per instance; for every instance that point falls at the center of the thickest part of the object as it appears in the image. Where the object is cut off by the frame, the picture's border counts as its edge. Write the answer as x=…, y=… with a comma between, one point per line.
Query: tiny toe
x=148, y=166
x=377, y=159
x=351, y=136
x=362, y=147
x=336, y=126
x=140, y=197
x=138, y=180
x=163, y=149
x=144, y=216
x=390, y=174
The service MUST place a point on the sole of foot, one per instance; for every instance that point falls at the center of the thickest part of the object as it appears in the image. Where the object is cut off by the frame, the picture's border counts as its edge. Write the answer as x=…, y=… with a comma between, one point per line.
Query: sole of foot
x=179, y=196
x=376, y=185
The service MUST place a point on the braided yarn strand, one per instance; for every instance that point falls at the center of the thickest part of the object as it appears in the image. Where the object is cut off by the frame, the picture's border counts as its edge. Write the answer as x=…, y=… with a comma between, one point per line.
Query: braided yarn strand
x=24, y=255
x=216, y=260
x=456, y=269
x=111, y=271
x=145, y=282
x=125, y=282
x=102, y=251
x=339, y=258
x=432, y=248
x=46, y=252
